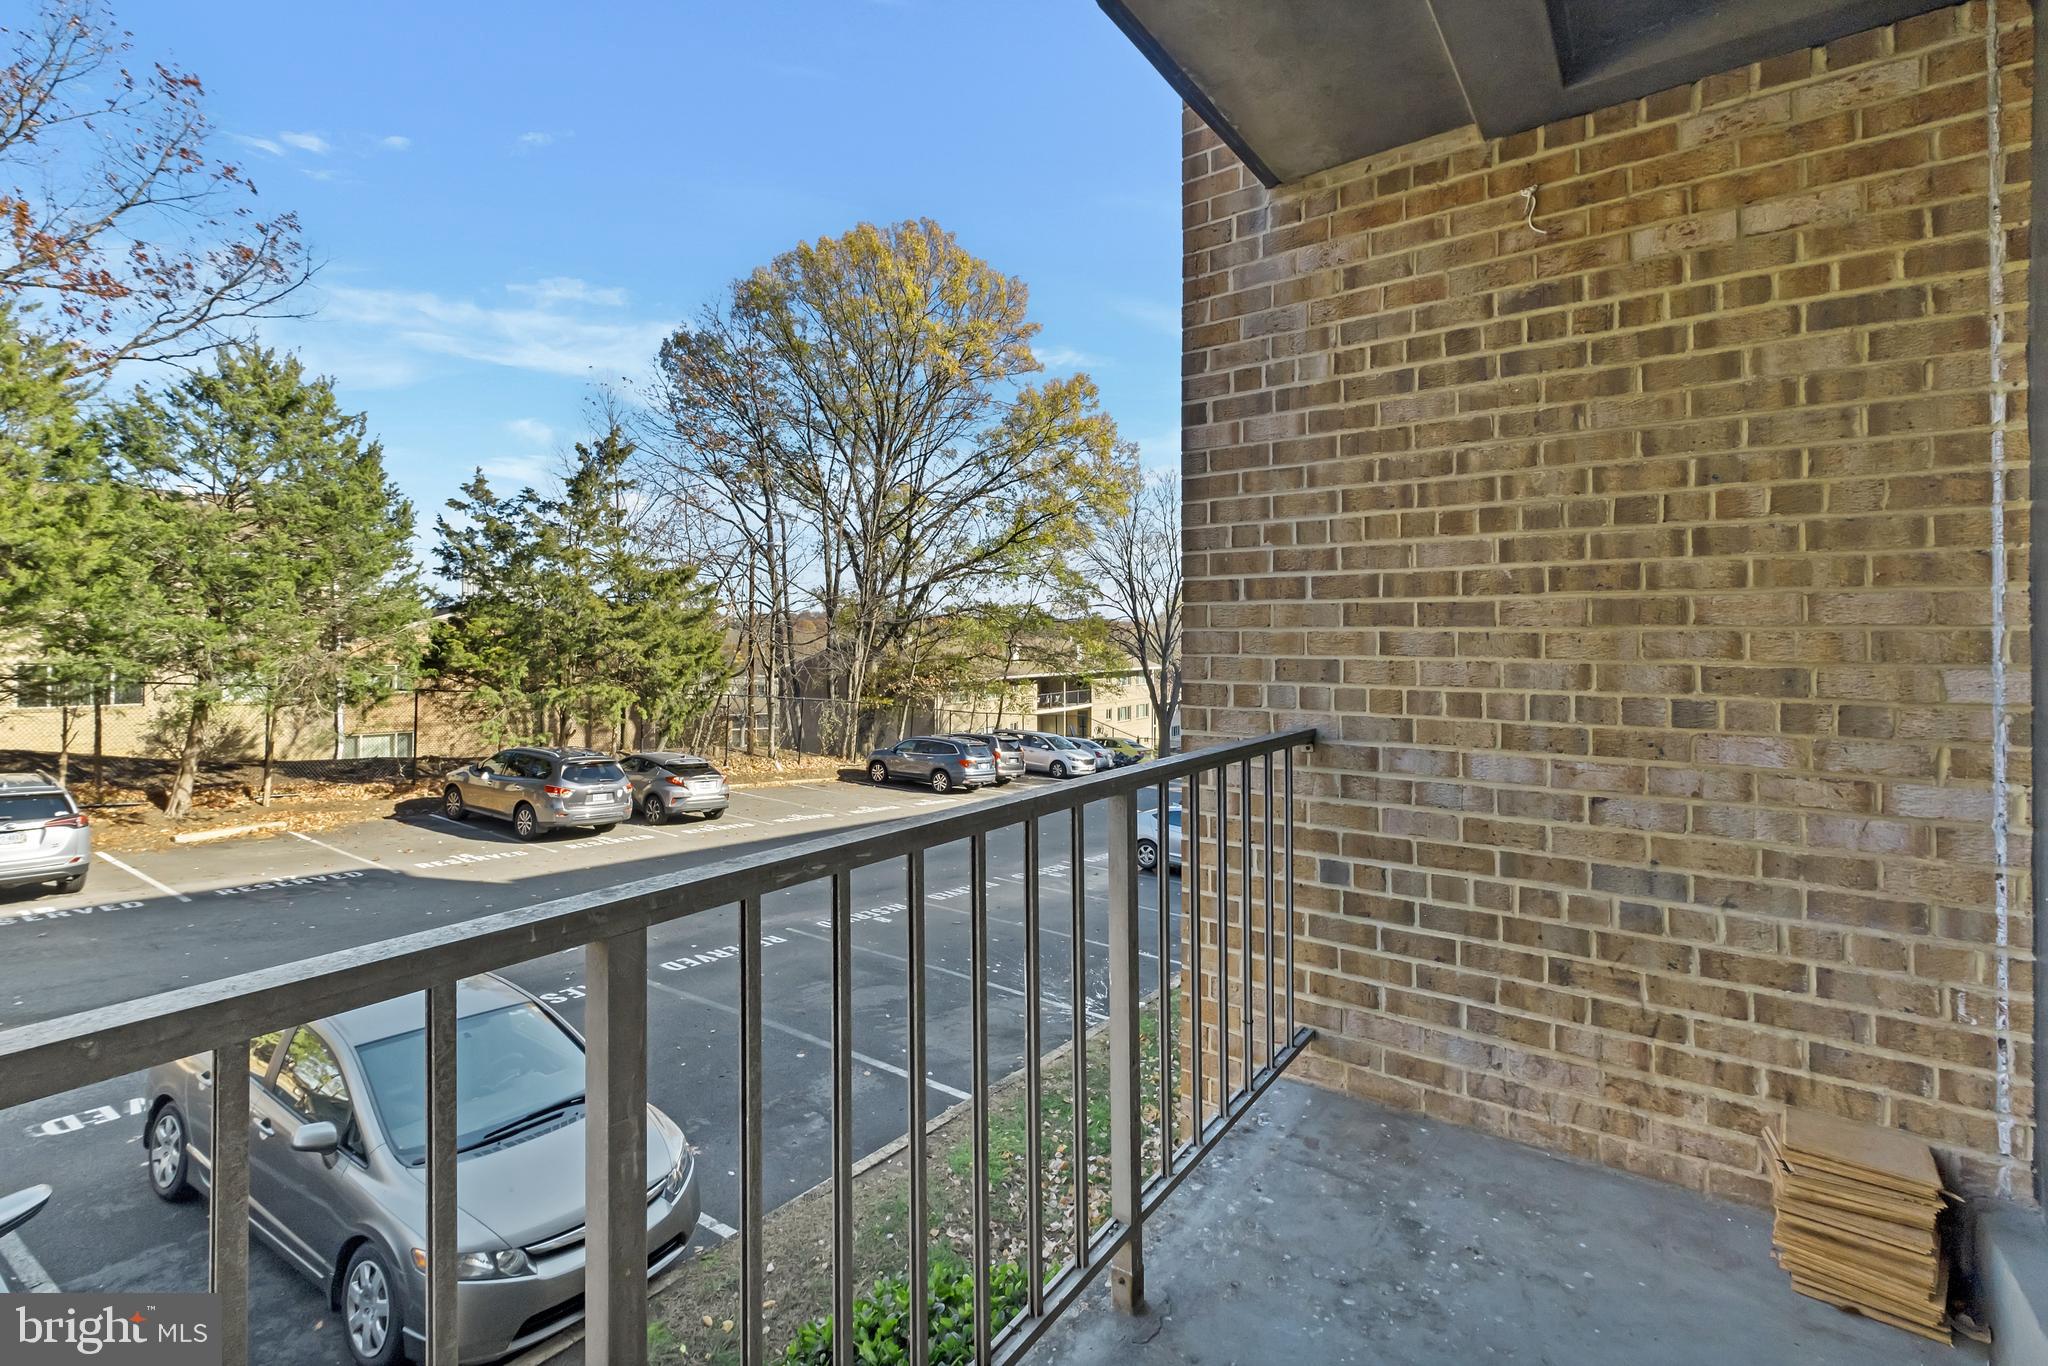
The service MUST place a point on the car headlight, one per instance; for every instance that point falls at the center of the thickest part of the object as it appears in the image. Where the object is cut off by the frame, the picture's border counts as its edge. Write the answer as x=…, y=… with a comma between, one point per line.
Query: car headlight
x=482, y=1266
x=678, y=1175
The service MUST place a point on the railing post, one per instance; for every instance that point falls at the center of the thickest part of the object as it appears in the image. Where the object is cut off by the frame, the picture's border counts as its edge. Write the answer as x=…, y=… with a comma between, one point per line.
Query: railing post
x=227, y=1229
x=1126, y=1128
x=443, y=1325
x=615, y=1150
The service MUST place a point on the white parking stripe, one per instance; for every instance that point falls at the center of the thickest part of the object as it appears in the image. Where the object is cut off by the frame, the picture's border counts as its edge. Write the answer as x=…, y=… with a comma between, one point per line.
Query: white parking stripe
x=1050, y=1002
x=891, y=1068
x=473, y=828
x=725, y=1231
x=762, y=796
x=138, y=873
x=23, y=1261
x=343, y=852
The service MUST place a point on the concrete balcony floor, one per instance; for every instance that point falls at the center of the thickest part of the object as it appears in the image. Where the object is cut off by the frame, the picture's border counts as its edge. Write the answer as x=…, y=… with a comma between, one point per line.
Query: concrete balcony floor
x=1328, y=1230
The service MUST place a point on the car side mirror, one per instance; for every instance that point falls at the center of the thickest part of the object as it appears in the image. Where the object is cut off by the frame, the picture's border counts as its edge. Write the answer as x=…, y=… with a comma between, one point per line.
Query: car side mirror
x=320, y=1137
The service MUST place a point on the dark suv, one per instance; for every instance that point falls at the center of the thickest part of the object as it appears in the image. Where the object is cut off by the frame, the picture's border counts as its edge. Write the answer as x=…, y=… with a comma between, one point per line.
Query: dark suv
x=541, y=789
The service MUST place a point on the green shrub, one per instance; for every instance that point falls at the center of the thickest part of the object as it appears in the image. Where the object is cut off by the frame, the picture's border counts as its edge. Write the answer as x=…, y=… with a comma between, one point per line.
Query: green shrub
x=881, y=1320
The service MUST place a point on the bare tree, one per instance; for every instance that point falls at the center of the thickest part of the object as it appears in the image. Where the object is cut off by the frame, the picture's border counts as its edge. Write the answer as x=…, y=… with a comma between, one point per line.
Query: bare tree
x=1133, y=565
x=118, y=228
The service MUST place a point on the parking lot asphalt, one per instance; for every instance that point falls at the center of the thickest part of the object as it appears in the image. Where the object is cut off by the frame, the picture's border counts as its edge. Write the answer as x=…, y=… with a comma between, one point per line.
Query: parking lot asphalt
x=152, y=922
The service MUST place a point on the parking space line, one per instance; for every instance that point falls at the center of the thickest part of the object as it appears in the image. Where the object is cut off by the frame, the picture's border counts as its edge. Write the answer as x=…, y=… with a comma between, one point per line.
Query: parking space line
x=473, y=828
x=866, y=1059
x=332, y=850
x=1050, y=1002
x=26, y=1266
x=724, y=1231
x=762, y=796
x=137, y=873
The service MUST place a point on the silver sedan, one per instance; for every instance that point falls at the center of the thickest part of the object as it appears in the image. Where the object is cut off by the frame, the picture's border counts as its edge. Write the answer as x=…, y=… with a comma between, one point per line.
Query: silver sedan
x=337, y=1176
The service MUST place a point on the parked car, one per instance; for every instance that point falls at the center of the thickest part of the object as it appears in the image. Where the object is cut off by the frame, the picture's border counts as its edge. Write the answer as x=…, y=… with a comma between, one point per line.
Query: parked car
x=1126, y=751
x=17, y=1209
x=1054, y=755
x=941, y=761
x=666, y=784
x=1148, y=840
x=1105, y=757
x=1009, y=763
x=539, y=790
x=44, y=837
x=337, y=1176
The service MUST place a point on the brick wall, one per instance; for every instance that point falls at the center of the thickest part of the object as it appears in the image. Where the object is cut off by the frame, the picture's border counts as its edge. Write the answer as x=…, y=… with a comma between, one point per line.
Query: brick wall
x=1637, y=568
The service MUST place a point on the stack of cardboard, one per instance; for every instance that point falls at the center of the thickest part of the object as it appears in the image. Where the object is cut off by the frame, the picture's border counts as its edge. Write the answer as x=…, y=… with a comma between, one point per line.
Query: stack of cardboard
x=1856, y=1213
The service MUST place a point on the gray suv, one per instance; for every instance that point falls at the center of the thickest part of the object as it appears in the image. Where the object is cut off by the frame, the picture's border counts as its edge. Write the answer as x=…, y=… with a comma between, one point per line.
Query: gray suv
x=44, y=837
x=337, y=1181
x=943, y=763
x=540, y=790
x=667, y=785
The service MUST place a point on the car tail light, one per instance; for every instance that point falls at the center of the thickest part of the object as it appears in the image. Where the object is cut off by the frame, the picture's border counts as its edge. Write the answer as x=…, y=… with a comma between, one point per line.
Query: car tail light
x=674, y=781
x=77, y=820
x=555, y=790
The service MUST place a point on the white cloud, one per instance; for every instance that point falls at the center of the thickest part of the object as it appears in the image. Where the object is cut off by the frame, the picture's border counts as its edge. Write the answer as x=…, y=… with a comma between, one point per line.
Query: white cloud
x=518, y=470
x=567, y=289
x=1067, y=358
x=260, y=144
x=520, y=338
x=536, y=139
x=305, y=142
x=532, y=431
x=397, y=142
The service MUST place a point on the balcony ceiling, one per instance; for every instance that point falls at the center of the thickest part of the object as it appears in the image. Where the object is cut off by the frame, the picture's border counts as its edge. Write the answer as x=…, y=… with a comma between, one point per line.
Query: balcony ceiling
x=1298, y=86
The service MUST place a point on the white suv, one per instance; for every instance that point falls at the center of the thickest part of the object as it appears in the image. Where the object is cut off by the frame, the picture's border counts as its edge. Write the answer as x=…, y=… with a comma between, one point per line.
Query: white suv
x=44, y=837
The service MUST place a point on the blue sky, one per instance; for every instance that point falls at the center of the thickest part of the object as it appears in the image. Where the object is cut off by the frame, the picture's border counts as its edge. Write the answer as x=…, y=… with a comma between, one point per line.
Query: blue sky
x=517, y=200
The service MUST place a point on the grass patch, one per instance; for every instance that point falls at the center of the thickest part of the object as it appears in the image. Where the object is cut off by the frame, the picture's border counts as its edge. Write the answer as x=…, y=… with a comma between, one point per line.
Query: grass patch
x=698, y=1313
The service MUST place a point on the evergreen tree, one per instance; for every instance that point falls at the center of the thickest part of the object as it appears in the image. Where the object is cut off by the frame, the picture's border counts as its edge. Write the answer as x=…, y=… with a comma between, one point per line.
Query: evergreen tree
x=271, y=539
x=567, y=614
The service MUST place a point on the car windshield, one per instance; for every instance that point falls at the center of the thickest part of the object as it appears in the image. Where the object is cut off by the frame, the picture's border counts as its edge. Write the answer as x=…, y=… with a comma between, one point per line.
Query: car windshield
x=510, y=1064
x=32, y=806
x=975, y=749
x=695, y=769
x=1060, y=742
x=604, y=771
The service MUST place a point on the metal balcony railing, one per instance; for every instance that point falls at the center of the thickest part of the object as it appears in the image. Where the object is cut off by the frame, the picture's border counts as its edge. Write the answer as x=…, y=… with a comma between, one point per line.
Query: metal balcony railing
x=1072, y=697
x=610, y=927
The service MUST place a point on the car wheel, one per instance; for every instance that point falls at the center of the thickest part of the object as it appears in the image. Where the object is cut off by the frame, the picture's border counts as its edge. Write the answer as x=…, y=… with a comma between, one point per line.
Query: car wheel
x=942, y=782
x=654, y=810
x=451, y=804
x=714, y=814
x=73, y=883
x=1058, y=769
x=1148, y=856
x=606, y=828
x=525, y=823
x=169, y=1163
x=878, y=773
x=369, y=1309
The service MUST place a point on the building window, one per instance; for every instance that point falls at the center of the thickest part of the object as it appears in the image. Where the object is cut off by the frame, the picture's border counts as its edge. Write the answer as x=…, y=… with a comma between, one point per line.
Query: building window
x=391, y=744
x=41, y=693
x=1144, y=709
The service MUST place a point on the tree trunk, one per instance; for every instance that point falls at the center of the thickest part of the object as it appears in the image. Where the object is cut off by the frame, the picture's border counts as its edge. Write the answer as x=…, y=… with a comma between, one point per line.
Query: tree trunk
x=270, y=750
x=63, y=745
x=179, y=802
